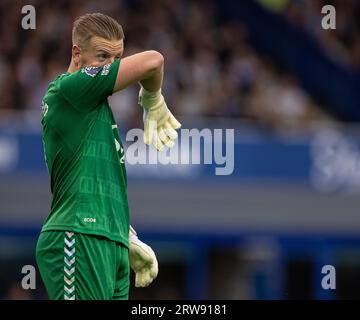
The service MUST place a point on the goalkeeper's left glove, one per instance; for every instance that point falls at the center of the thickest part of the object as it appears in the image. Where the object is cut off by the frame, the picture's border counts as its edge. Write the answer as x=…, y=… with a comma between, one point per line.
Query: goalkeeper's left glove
x=142, y=260
x=159, y=122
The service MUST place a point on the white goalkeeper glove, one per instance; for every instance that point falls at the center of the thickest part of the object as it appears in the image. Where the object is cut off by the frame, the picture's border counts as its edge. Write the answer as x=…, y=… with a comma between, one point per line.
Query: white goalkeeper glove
x=142, y=260
x=159, y=122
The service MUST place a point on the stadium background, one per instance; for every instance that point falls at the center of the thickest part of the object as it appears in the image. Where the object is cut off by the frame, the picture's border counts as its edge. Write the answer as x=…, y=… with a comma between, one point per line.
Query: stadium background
x=264, y=68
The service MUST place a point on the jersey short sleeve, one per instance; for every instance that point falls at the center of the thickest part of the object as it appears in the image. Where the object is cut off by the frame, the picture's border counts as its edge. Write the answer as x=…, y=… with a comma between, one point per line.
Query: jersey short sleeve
x=88, y=87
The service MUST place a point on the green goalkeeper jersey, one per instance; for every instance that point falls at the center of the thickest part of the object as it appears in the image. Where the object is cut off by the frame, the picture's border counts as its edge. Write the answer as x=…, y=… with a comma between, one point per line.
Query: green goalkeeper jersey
x=85, y=156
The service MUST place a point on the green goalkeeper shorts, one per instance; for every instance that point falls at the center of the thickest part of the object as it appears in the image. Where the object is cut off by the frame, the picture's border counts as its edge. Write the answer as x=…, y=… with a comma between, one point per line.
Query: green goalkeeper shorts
x=75, y=266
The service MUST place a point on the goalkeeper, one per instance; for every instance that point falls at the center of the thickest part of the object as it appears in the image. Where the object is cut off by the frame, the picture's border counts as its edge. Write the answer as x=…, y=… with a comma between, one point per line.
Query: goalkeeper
x=86, y=246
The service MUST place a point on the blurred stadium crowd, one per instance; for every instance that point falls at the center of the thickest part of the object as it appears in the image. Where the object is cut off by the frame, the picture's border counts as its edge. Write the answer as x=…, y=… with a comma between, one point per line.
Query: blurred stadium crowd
x=342, y=44
x=211, y=69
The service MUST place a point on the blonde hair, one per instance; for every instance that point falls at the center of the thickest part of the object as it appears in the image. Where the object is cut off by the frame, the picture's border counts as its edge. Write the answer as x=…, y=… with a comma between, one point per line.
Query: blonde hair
x=95, y=24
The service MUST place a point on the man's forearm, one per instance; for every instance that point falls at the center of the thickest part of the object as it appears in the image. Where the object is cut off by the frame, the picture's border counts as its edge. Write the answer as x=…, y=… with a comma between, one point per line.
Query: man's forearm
x=154, y=81
x=146, y=68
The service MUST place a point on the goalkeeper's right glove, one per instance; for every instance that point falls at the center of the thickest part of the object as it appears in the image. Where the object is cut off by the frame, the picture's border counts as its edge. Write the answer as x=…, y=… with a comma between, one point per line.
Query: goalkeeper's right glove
x=159, y=122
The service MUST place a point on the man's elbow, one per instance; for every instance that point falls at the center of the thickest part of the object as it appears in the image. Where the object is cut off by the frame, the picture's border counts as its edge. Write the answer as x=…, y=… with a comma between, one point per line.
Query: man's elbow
x=156, y=61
